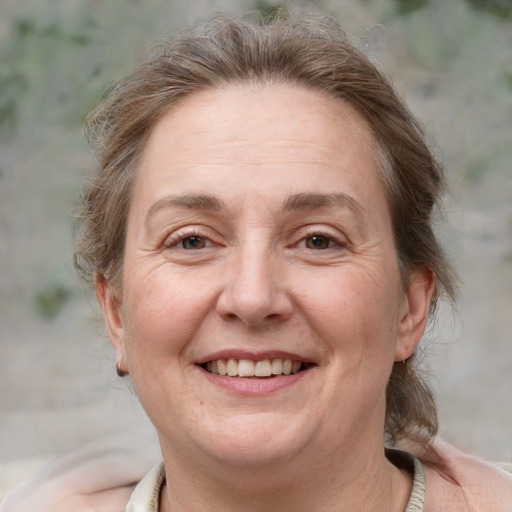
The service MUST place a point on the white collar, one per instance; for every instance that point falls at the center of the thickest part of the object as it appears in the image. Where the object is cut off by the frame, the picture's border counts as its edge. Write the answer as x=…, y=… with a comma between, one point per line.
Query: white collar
x=146, y=496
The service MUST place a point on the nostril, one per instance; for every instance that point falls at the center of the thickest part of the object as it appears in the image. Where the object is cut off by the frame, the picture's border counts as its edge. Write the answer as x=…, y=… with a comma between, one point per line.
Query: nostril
x=253, y=293
x=254, y=313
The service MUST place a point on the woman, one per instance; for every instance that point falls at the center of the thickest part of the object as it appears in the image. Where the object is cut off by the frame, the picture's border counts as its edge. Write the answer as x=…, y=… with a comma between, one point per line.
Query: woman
x=259, y=237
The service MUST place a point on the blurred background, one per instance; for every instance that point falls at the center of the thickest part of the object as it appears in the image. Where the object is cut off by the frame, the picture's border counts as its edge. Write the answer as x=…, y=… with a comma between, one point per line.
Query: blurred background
x=452, y=62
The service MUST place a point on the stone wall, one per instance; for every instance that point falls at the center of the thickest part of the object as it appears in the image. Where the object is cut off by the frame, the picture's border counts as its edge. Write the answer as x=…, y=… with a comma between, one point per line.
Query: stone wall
x=451, y=59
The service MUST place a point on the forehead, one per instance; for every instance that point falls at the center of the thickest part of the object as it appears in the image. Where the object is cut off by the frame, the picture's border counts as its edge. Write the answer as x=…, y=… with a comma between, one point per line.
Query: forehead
x=267, y=134
x=280, y=112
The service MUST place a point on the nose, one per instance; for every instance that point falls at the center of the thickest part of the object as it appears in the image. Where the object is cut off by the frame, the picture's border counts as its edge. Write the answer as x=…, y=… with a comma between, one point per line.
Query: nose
x=254, y=291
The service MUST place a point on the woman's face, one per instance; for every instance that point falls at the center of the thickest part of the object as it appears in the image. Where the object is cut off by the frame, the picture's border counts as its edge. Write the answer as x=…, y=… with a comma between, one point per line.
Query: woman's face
x=259, y=239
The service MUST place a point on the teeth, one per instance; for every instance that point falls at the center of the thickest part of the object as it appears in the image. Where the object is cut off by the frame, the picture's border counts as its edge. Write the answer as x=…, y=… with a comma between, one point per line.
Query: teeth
x=277, y=367
x=263, y=368
x=222, y=366
x=245, y=368
x=232, y=368
x=249, y=368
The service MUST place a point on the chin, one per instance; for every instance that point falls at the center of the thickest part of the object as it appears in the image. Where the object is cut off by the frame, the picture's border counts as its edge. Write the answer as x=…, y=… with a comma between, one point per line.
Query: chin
x=256, y=440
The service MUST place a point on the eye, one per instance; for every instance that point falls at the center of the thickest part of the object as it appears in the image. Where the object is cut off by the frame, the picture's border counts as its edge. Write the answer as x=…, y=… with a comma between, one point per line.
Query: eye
x=188, y=240
x=193, y=245
x=318, y=242
x=193, y=242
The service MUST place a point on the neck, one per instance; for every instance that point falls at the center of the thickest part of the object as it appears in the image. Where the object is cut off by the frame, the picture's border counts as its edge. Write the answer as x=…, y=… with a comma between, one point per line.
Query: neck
x=366, y=482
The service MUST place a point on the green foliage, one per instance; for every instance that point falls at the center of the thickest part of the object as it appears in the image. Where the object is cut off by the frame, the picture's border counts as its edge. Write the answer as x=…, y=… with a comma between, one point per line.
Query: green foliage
x=16, y=57
x=50, y=301
x=406, y=7
x=12, y=86
x=501, y=8
x=475, y=170
x=26, y=28
x=270, y=11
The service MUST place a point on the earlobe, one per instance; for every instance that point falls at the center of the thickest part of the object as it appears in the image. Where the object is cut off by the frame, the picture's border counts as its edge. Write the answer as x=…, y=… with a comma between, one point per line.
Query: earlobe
x=110, y=306
x=415, y=312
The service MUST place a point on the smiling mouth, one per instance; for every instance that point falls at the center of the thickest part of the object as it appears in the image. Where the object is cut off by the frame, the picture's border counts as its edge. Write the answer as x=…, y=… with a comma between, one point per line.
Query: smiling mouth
x=248, y=368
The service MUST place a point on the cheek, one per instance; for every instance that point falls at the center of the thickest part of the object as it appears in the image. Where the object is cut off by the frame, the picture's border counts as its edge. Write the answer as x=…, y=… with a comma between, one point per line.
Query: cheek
x=162, y=312
x=355, y=311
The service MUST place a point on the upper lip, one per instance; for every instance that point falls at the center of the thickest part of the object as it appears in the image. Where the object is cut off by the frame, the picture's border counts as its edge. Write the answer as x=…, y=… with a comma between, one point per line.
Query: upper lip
x=252, y=356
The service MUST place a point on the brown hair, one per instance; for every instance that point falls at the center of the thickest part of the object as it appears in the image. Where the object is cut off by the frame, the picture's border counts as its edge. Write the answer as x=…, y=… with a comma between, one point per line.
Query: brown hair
x=310, y=52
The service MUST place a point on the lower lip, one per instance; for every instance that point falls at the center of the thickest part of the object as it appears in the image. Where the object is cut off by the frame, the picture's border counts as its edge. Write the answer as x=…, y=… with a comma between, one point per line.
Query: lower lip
x=255, y=385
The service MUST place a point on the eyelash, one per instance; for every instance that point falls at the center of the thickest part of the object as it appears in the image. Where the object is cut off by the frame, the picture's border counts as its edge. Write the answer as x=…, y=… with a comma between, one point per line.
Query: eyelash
x=178, y=238
x=175, y=239
x=334, y=242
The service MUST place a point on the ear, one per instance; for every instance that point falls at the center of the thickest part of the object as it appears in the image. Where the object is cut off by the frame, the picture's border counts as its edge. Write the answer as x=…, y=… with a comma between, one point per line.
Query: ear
x=414, y=314
x=110, y=306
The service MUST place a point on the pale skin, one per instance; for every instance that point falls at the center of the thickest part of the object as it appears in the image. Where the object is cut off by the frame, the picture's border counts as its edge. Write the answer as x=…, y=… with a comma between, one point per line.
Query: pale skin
x=259, y=228
x=257, y=174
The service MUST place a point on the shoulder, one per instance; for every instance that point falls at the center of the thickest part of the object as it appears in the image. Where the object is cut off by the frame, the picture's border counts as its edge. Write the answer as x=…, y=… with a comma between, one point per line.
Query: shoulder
x=97, y=478
x=466, y=483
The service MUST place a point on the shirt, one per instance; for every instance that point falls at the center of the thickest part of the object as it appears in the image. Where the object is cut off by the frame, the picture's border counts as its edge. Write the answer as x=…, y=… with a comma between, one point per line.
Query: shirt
x=145, y=497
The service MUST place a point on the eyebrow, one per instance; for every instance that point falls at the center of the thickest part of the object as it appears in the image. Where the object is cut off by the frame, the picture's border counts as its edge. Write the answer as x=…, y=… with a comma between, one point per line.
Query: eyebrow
x=313, y=201
x=302, y=201
x=193, y=202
